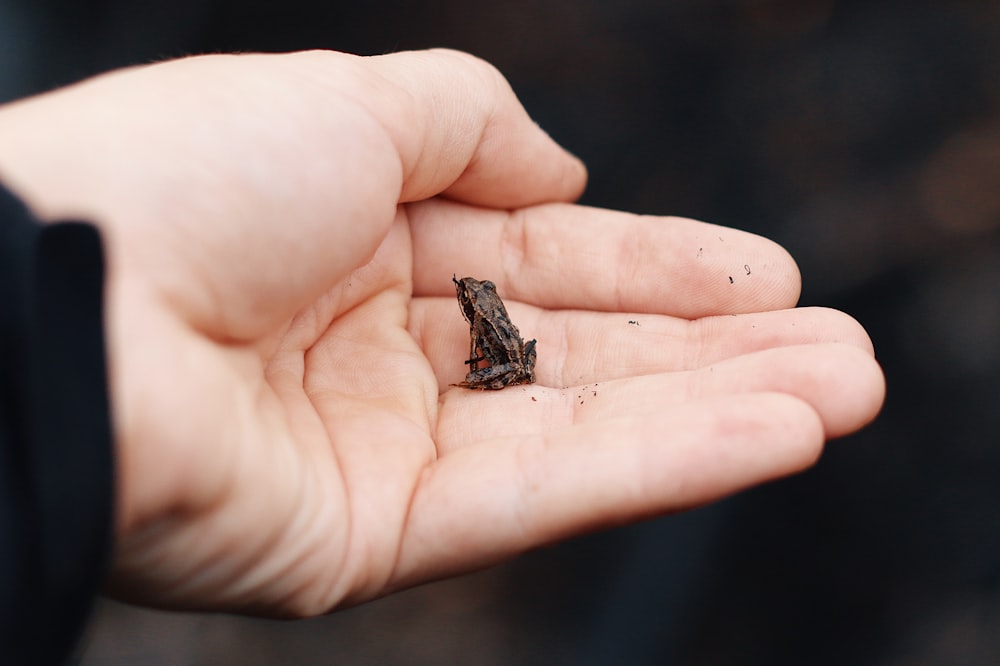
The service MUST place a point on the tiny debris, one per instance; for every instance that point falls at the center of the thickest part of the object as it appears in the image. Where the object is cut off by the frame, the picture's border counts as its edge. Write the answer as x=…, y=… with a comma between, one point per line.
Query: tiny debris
x=731, y=281
x=746, y=267
x=700, y=250
x=534, y=399
x=633, y=322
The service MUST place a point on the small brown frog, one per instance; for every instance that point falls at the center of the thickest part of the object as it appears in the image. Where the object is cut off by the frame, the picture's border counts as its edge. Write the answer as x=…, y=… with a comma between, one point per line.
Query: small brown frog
x=493, y=338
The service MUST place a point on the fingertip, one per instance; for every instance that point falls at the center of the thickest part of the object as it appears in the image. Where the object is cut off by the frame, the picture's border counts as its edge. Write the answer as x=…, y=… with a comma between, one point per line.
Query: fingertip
x=838, y=326
x=863, y=398
x=531, y=170
x=781, y=434
x=792, y=285
x=847, y=388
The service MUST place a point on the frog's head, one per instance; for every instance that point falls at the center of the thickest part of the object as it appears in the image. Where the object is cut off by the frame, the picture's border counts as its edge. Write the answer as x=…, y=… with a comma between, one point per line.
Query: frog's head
x=468, y=289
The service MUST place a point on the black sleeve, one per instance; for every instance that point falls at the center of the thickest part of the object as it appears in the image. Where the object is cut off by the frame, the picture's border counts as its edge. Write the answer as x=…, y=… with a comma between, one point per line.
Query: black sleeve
x=56, y=465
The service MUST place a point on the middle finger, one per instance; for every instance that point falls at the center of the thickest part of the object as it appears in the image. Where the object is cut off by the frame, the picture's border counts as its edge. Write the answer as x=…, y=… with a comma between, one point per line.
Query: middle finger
x=578, y=347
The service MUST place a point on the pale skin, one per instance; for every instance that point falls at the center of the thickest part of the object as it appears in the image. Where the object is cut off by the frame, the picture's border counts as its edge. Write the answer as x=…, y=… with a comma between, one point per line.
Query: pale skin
x=282, y=329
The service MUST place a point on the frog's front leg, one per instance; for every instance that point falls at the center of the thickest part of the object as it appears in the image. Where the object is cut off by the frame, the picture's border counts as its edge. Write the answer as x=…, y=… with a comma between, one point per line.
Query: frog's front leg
x=474, y=347
x=473, y=342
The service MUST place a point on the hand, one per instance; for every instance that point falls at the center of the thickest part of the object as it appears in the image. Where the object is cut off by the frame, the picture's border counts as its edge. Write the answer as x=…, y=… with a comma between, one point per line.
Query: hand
x=282, y=329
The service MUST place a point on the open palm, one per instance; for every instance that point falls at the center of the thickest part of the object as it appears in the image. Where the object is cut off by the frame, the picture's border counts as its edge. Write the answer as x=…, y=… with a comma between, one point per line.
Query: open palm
x=283, y=333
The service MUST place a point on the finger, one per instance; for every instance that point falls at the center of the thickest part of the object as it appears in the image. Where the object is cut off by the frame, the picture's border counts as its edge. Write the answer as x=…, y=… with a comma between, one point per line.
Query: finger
x=563, y=256
x=517, y=493
x=244, y=186
x=477, y=143
x=577, y=347
x=843, y=384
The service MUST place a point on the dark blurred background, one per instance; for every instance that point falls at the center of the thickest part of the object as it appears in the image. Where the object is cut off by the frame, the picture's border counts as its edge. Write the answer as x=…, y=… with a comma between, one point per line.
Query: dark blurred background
x=865, y=137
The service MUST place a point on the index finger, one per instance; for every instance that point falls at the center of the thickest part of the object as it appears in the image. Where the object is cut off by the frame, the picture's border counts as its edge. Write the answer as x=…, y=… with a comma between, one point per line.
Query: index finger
x=574, y=257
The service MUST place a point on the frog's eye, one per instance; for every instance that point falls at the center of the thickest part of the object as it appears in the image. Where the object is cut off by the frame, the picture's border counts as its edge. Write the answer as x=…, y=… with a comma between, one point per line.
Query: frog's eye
x=488, y=285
